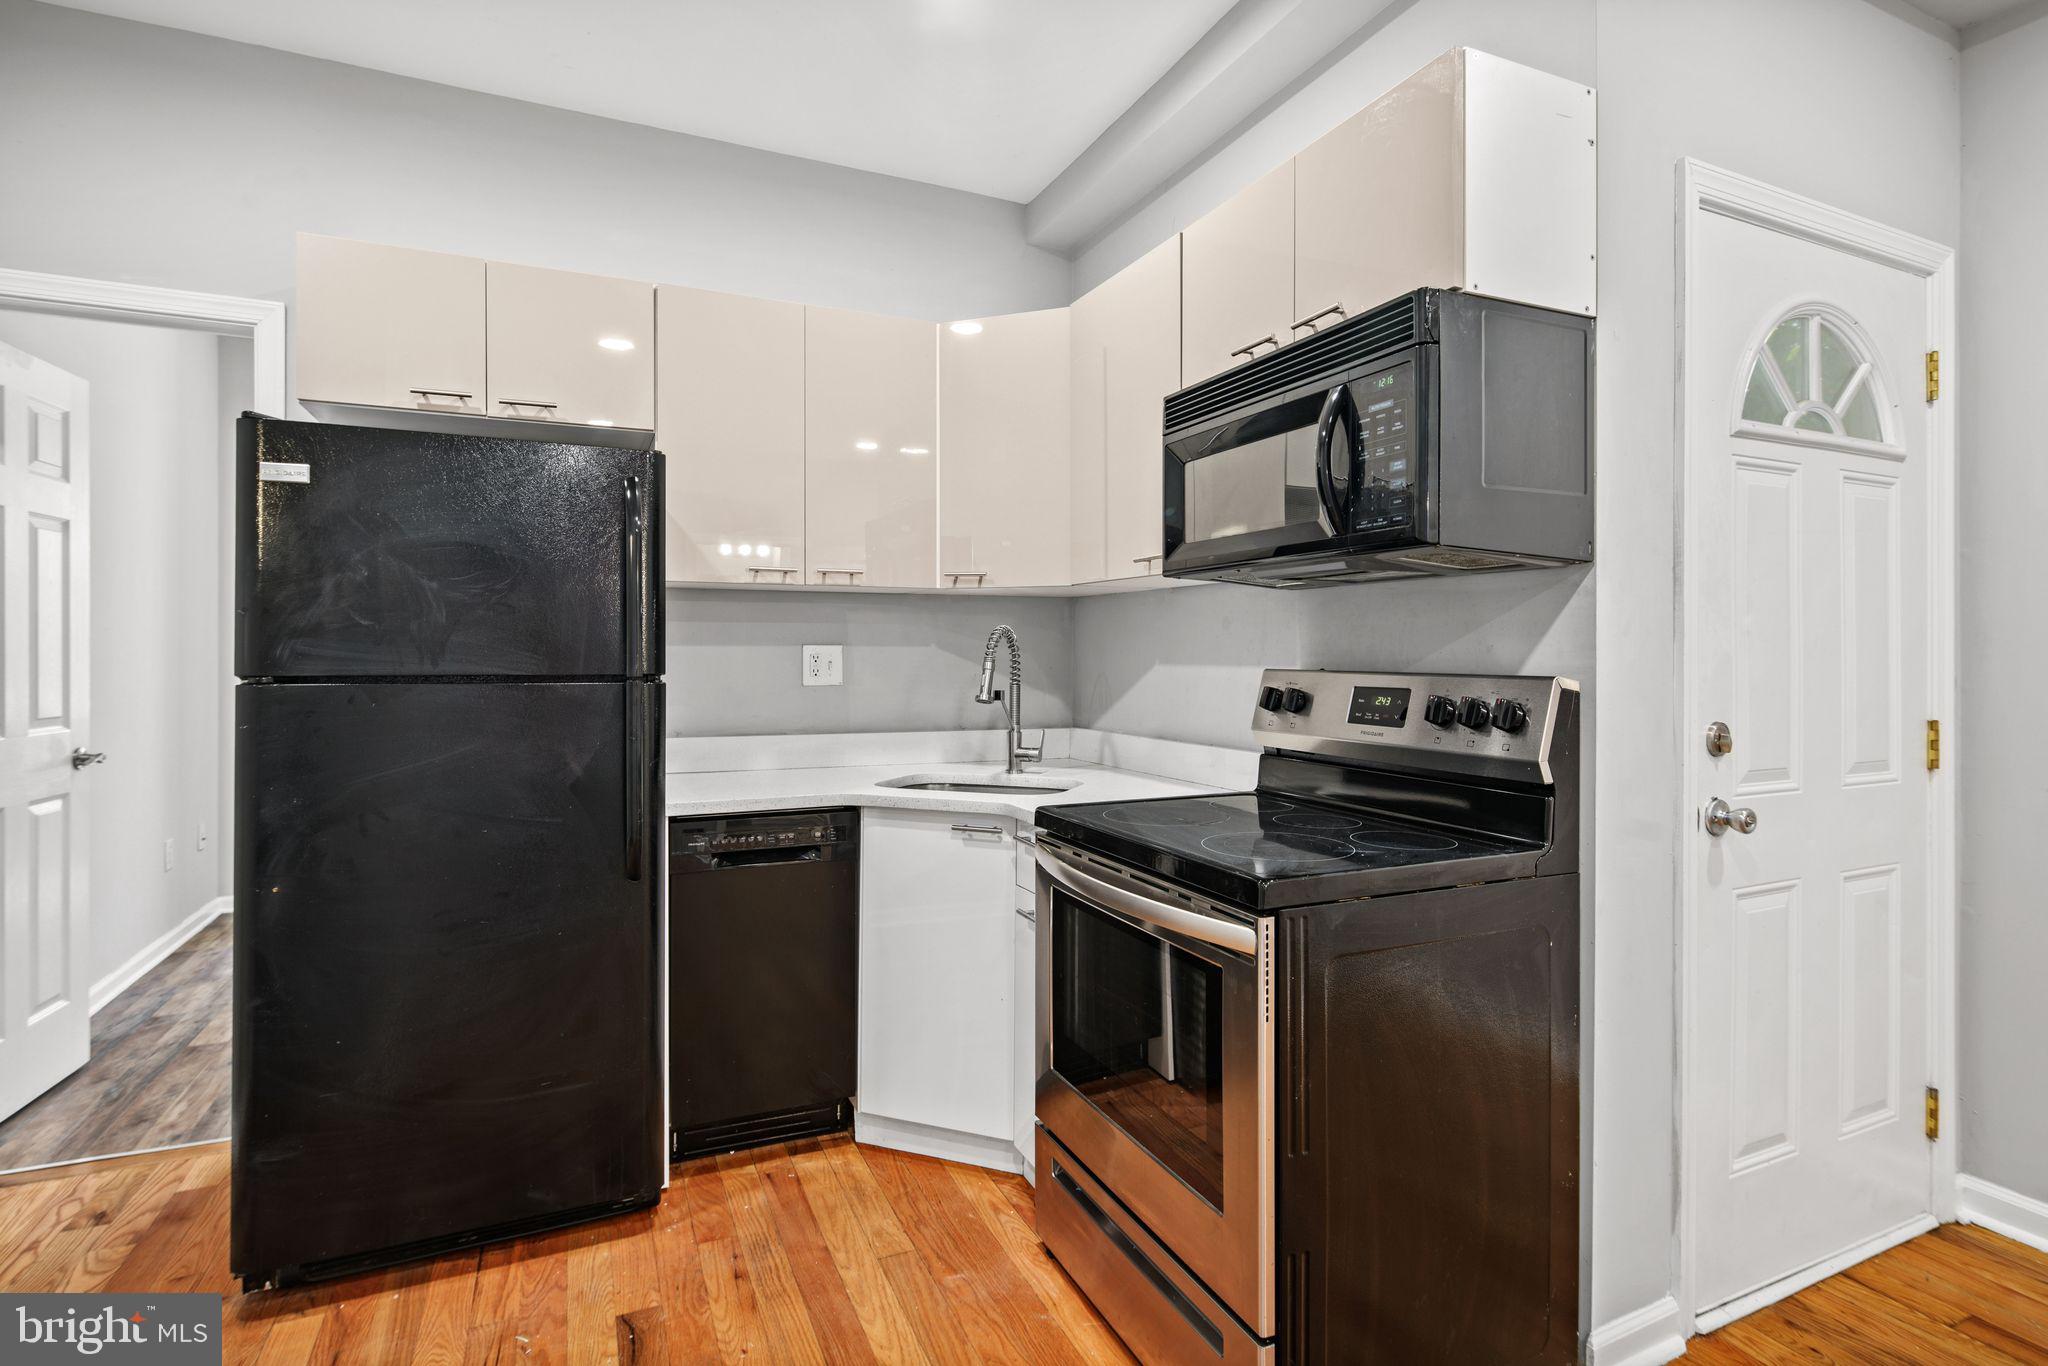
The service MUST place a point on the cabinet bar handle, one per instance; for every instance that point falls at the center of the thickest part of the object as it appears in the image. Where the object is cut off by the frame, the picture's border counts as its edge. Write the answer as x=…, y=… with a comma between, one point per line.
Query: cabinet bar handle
x=526, y=403
x=443, y=393
x=1270, y=339
x=825, y=575
x=1312, y=318
x=979, y=829
x=980, y=576
x=1147, y=559
x=784, y=570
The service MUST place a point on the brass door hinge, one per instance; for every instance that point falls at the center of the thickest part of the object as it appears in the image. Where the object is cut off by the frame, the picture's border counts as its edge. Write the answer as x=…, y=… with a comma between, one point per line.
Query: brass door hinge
x=1933, y=1113
x=1933, y=375
x=1933, y=745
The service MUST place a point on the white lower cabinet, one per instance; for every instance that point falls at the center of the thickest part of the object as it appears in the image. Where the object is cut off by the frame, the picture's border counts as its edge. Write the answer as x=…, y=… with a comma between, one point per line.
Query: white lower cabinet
x=937, y=915
x=1024, y=1024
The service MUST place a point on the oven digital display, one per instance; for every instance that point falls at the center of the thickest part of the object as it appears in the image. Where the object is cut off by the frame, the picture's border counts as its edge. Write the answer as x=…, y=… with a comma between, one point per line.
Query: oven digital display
x=1379, y=706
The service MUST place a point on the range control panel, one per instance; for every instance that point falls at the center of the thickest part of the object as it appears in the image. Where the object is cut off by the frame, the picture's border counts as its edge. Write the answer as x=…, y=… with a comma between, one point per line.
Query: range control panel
x=1463, y=721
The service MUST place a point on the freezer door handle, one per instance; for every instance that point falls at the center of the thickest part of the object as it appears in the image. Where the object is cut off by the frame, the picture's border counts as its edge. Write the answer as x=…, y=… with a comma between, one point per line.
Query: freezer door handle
x=634, y=596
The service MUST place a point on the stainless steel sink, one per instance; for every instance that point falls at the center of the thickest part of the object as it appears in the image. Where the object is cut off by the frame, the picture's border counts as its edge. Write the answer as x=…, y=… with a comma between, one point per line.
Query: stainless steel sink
x=996, y=783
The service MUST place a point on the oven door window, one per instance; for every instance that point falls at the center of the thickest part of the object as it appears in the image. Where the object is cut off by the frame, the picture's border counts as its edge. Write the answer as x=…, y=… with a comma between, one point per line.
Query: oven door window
x=1137, y=1028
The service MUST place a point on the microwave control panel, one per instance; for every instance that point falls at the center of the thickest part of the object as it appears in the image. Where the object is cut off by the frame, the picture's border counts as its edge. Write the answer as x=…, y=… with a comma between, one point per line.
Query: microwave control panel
x=1384, y=464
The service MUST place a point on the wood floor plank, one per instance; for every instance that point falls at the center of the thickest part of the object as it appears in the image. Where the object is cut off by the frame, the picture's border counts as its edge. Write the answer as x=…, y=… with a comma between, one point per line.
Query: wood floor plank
x=831, y=1309
x=992, y=1197
x=890, y=1332
x=785, y=1318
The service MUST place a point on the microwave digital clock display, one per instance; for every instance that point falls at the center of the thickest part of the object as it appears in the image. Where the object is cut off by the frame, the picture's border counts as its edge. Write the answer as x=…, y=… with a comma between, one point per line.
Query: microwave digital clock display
x=1379, y=707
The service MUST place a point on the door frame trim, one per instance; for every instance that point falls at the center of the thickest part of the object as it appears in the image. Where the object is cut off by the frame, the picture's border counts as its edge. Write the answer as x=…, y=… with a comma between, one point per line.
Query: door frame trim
x=260, y=320
x=1704, y=189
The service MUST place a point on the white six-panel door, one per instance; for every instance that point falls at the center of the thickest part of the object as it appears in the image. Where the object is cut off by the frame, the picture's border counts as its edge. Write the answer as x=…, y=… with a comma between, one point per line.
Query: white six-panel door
x=1807, y=472
x=45, y=973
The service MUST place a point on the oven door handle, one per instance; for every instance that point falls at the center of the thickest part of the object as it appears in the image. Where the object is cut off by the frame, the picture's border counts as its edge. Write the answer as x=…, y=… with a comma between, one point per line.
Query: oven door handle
x=1338, y=404
x=1222, y=933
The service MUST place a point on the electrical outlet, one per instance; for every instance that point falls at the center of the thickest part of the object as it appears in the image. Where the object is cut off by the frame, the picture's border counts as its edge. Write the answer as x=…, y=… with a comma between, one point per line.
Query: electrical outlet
x=170, y=849
x=822, y=666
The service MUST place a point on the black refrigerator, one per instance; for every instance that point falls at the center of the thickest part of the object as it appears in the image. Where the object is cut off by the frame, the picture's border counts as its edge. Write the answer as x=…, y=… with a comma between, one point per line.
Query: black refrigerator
x=448, y=843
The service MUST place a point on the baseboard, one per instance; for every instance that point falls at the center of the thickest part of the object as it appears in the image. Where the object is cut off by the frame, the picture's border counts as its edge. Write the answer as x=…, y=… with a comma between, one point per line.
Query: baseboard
x=998, y=1154
x=1642, y=1337
x=154, y=952
x=2019, y=1217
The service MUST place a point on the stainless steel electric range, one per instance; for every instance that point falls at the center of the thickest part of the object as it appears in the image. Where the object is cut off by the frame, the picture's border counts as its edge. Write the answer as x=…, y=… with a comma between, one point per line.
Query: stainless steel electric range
x=1308, y=1055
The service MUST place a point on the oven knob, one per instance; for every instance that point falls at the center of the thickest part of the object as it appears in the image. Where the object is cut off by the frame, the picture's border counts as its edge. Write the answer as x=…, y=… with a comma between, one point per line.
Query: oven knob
x=1295, y=700
x=1509, y=715
x=1440, y=711
x=1473, y=713
x=1269, y=699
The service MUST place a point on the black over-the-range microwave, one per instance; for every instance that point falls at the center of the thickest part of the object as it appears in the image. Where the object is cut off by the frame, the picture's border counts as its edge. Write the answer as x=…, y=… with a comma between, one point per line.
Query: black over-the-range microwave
x=1440, y=433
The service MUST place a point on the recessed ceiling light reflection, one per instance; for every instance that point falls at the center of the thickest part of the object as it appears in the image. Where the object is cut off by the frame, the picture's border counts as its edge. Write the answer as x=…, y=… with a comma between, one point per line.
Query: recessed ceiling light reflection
x=865, y=446
x=616, y=343
x=913, y=450
x=965, y=329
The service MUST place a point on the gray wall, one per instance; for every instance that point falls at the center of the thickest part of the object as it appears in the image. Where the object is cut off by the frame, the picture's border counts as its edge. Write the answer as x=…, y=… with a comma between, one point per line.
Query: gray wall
x=2003, y=488
x=159, y=614
x=145, y=154
x=911, y=662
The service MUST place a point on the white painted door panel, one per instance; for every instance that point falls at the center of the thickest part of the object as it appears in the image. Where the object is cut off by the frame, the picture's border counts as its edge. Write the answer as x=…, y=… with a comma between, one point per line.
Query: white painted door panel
x=45, y=963
x=935, y=970
x=1810, y=1024
x=1237, y=277
x=730, y=418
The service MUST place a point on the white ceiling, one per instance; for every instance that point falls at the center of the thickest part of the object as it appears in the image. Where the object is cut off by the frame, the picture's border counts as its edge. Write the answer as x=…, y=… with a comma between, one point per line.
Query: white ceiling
x=1960, y=14
x=992, y=96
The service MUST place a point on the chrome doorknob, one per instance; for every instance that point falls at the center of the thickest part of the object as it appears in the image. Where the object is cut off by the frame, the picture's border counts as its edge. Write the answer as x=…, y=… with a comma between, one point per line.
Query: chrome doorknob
x=86, y=758
x=1722, y=818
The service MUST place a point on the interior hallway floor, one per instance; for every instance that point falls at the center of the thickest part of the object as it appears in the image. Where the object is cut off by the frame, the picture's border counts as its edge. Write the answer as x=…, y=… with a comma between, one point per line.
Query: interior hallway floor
x=827, y=1251
x=159, y=1069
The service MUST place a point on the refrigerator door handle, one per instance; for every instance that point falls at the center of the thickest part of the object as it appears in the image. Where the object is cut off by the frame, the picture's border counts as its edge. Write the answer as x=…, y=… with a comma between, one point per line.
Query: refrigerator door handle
x=636, y=572
x=636, y=780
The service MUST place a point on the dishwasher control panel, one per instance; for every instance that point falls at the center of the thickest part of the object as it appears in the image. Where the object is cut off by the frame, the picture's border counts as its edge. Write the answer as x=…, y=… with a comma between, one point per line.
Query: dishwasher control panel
x=716, y=837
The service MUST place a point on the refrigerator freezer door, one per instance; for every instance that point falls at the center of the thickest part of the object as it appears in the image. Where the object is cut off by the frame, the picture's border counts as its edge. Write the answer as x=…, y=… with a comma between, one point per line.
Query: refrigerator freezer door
x=371, y=553
x=446, y=1019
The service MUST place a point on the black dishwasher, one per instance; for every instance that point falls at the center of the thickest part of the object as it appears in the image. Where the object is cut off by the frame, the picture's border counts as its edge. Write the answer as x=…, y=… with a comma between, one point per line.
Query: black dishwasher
x=763, y=954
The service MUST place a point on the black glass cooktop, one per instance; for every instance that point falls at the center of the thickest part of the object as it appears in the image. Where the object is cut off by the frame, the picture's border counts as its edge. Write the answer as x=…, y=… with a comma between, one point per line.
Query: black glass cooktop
x=1266, y=851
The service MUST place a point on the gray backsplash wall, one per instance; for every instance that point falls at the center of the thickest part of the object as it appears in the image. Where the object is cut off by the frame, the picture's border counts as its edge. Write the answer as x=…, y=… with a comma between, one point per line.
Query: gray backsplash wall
x=911, y=661
x=1183, y=663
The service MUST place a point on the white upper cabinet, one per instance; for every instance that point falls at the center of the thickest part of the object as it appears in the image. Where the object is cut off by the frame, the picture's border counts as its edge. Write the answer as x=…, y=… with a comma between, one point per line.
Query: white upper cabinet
x=1237, y=277
x=730, y=418
x=570, y=348
x=1475, y=173
x=389, y=327
x=1141, y=366
x=871, y=427
x=1087, y=432
x=1004, y=503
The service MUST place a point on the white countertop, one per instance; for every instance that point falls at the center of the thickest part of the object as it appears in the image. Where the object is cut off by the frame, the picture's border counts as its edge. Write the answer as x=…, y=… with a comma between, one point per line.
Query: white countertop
x=790, y=789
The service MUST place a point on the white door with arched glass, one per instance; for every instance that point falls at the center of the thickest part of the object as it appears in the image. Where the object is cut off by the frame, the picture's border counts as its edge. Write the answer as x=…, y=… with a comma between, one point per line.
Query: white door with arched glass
x=1809, y=531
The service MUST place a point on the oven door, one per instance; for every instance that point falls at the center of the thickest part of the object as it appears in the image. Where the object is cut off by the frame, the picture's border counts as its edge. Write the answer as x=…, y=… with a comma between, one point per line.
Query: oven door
x=1157, y=1066
x=1330, y=467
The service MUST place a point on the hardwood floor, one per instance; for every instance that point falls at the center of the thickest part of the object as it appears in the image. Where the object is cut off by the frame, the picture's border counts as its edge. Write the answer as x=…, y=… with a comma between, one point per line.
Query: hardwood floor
x=817, y=1251
x=159, y=1069
x=825, y=1251
x=1956, y=1294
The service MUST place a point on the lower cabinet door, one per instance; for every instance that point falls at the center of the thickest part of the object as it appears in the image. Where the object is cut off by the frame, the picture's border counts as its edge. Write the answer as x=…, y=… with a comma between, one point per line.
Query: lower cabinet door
x=1024, y=1023
x=936, y=906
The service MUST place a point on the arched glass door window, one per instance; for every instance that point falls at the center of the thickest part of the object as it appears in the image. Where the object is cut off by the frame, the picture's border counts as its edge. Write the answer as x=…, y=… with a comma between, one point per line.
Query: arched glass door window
x=1814, y=374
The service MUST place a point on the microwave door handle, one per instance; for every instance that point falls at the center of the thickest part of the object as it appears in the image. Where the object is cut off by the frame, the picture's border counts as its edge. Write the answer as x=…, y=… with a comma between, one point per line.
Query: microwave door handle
x=1334, y=406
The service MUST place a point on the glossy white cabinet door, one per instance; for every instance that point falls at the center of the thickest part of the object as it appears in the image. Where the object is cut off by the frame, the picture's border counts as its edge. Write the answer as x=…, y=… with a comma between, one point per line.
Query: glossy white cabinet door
x=1141, y=368
x=1024, y=1025
x=936, y=900
x=389, y=326
x=1088, y=429
x=570, y=348
x=1496, y=161
x=1237, y=282
x=1004, y=476
x=871, y=427
x=730, y=418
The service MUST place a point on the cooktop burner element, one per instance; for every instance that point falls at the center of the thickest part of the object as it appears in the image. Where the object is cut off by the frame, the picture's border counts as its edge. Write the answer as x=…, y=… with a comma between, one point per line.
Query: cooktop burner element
x=1149, y=815
x=1274, y=855
x=1417, y=840
x=1308, y=818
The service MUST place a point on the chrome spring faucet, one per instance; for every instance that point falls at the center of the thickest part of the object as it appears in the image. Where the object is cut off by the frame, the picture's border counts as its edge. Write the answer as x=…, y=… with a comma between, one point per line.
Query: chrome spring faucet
x=1013, y=702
